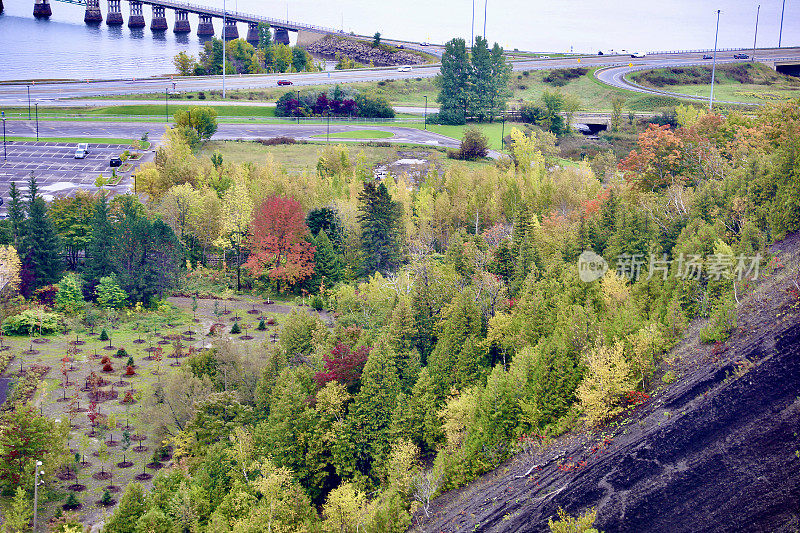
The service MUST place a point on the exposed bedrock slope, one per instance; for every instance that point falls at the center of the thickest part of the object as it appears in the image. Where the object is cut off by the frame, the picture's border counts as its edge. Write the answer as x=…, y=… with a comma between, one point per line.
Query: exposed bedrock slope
x=719, y=451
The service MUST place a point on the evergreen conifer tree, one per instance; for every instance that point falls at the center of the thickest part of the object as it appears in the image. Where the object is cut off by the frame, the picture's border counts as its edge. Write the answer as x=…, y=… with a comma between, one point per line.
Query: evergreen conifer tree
x=132, y=505
x=98, y=253
x=41, y=243
x=328, y=267
x=380, y=220
x=368, y=435
x=16, y=215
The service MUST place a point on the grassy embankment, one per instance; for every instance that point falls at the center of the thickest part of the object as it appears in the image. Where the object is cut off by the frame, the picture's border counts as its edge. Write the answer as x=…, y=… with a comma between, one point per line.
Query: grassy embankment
x=741, y=82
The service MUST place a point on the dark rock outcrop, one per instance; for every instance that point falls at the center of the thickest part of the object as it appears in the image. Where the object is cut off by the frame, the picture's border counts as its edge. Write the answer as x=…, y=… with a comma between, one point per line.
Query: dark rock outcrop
x=362, y=51
x=717, y=451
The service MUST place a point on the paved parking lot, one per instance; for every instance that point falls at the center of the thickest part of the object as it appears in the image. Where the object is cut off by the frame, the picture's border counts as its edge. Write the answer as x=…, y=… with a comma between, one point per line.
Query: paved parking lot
x=57, y=171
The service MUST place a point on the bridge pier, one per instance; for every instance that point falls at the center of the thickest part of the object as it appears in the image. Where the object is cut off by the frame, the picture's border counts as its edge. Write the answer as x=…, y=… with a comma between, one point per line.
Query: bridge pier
x=181, y=22
x=41, y=9
x=206, y=27
x=159, y=21
x=136, y=20
x=231, y=31
x=252, y=32
x=281, y=36
x=114, y=17
x=93, y=14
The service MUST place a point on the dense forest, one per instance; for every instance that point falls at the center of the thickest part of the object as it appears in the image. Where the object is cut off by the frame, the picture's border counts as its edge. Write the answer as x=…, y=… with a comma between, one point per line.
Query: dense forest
x=464, y=327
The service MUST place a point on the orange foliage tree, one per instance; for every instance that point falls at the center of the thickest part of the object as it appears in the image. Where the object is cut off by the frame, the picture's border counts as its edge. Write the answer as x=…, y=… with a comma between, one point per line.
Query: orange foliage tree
x=659, y=160
x=277, y=240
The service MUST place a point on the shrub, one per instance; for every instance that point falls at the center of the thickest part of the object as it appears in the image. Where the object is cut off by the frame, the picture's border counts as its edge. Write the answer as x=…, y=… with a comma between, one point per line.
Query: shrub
x=109, y=294
x=669, y=377
x=106, y=499
x=104, y=335
x=262, y=325
x=275, y=141
x=473, y=146
x=563, y=76
x=70, y=294
x=317, y=303
x=130, y=361
x=30, y=321
x=121, y=353
x=568, y=524
x=721, y=323
x=236, y=329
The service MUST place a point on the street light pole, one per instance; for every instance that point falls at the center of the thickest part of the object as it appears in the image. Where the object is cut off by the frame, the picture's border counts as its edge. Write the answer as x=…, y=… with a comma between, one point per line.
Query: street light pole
x=472, y=29
x=780, y=32
x=29, y=101
x=755, y=37
x=485, y=8
x=328, y=139
x=166, y=105
x=36, y=494
x=37, y=121
x=503, y=133
x=426, y=111
x=224, y=24
x=714, y=66
x=298, y=107
x=5, y=150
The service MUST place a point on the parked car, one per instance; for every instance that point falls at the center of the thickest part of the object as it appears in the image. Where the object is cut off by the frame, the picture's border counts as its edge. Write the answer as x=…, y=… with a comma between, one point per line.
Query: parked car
x=404, y=68
x=638, y=54
x=284, y=82
x=708, y=56
x=115, y=162
x=80, y=153
x=84, y=147
x=740, y=56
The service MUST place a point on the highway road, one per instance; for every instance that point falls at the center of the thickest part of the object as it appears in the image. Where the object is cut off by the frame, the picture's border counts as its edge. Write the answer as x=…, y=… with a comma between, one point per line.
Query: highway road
x=15, y=94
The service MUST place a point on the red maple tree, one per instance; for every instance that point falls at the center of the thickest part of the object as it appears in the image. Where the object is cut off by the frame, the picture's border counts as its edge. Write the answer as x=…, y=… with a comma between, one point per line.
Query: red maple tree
x=344, y=365
x=277, y=240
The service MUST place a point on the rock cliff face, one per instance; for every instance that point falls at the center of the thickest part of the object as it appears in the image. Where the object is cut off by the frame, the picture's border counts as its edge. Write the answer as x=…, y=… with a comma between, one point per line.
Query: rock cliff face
x=362, y=51
x=719, y=450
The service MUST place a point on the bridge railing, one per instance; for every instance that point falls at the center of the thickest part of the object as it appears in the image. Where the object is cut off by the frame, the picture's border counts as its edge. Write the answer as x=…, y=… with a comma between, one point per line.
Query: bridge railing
x=243, y=17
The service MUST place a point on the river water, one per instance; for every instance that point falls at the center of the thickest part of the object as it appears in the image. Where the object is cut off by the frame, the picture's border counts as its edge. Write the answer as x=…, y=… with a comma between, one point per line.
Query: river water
x=64, y=47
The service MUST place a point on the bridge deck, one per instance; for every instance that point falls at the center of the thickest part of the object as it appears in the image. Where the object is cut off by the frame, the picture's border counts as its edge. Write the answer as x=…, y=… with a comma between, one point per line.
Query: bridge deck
x=234, y=15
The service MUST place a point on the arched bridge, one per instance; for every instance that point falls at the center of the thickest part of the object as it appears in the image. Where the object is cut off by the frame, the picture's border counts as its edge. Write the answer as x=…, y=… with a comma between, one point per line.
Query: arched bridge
x=206, y=15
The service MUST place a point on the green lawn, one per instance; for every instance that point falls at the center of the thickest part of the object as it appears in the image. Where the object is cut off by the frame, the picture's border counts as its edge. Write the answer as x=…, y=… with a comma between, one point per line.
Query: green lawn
x=357, y=134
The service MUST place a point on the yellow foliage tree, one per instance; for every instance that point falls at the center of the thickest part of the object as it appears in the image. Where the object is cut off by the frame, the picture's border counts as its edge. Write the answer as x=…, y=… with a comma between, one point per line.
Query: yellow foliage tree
x=605, y=383
x=345, y=509
x=9, y=271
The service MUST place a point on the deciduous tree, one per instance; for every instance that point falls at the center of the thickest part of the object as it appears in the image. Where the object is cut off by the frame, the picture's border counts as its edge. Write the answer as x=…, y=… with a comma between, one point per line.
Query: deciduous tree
x=278, y=244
